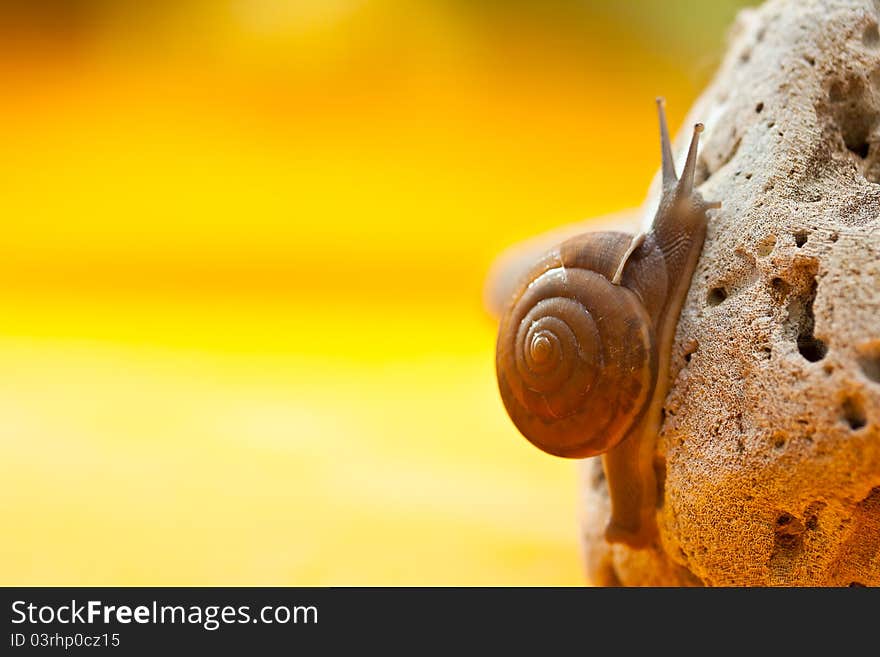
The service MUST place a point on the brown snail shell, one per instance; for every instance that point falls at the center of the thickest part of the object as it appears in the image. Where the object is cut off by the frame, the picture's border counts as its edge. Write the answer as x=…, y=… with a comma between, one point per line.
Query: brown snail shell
x=575, y=356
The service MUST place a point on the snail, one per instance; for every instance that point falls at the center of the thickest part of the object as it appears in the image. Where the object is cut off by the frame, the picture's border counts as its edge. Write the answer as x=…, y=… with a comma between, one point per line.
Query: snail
x=584, y=344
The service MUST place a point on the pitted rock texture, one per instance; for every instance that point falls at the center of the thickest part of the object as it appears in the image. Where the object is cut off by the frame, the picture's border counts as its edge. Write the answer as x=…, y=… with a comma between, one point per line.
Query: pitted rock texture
x=769, y=457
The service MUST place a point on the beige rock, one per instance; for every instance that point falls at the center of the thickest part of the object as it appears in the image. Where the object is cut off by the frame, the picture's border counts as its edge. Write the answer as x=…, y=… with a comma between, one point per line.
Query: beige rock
x=770, y=451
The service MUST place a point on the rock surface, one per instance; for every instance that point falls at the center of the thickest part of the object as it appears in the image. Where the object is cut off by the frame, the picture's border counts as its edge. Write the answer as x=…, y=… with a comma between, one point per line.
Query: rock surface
x=769, y=456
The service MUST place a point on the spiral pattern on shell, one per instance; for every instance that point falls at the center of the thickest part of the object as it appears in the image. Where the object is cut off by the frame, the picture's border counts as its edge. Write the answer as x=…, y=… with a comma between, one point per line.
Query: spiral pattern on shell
x=575, y=361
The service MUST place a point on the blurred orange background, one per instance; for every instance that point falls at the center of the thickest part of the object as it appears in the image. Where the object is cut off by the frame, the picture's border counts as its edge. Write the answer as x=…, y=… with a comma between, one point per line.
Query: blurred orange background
x=242, y=263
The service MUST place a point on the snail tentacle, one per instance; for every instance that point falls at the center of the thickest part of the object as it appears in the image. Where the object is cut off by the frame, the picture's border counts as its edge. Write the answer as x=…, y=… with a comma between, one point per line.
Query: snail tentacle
x=667, y=162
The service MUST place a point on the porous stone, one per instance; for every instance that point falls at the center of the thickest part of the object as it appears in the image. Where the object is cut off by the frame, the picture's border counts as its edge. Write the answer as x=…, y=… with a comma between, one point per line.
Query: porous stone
x=769, y=456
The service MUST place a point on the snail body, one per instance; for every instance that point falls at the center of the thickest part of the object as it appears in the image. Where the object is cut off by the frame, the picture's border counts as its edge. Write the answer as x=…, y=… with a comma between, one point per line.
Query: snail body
x=584, y=345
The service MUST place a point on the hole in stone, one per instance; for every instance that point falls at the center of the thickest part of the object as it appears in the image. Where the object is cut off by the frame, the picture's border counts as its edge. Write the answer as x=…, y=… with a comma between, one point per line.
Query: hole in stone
x=860, y=148
x=788, y=533
x=716, y=296
x=812, y=348
x=811, y=514
x=765, y=246
x=855, y=585
x=854, y=413
x=780, y=286
x=660, y=477
x=748, y=176
x=834, y=237
x=855, y=114
x=800, y=238
x=759, y=108
x=810, y=60
x=870, y=36
x=869, y=361
x=809, y=346
x=690, y=349
x=779, y=442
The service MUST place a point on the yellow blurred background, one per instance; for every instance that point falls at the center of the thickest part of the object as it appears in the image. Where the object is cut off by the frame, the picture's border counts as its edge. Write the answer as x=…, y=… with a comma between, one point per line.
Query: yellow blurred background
x=242, y=262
